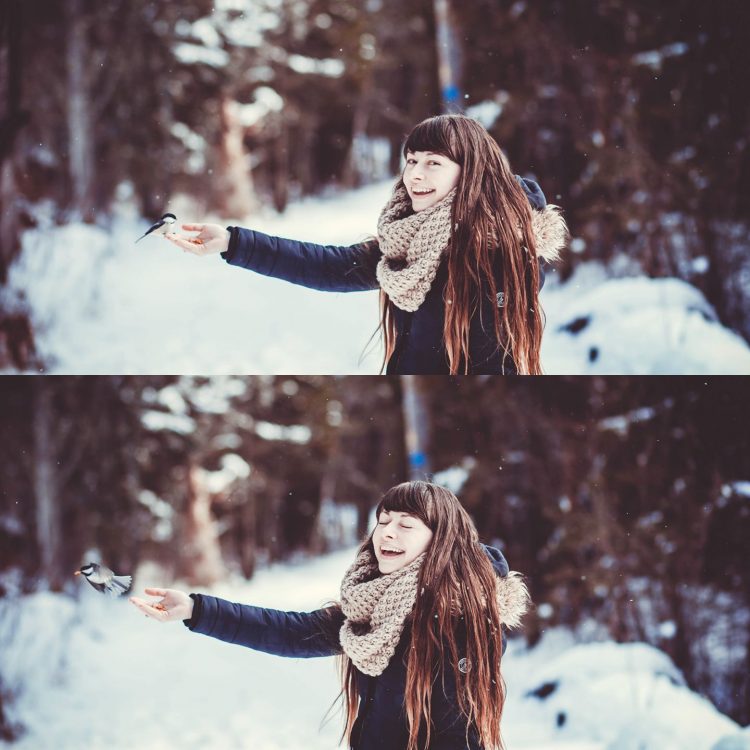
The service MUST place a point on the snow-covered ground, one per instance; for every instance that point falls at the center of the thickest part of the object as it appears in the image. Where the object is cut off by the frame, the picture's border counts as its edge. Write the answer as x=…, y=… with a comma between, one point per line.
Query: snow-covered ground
x=104, y=305
x=99, y=675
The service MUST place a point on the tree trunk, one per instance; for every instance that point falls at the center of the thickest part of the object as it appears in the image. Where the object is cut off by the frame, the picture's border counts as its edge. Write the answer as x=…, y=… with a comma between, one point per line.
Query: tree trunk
x=606, y=531
x=236, y=194
x=9, y=230
x=449, y=57
x=416, y=427
x=319, y=539
x=204, y=565
x=304, y=154
x=80, y=132
x=743, y=689
x=48, y=522
x=353, y=169
x=248, y=535
x=11, y=122
x=281, y=168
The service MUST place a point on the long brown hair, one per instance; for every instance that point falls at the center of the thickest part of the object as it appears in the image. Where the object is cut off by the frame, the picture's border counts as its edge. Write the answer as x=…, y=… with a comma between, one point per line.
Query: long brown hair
x=491, y=217
x=456, y=576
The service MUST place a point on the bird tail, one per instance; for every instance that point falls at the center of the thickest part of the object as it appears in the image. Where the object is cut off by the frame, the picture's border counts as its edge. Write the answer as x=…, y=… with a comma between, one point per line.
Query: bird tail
x=139, y=239
x=119, y=585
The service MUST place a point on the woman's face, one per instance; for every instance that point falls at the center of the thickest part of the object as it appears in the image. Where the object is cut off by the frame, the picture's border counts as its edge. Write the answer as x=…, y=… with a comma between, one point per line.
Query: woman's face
x=429, y=178
x=398, y=540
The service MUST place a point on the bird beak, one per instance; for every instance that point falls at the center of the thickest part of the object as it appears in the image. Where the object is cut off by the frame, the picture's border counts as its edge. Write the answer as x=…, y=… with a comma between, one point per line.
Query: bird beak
x=77, y=573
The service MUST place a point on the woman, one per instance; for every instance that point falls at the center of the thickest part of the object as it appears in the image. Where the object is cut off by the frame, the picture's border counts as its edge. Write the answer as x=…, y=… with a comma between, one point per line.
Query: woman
x=419, y=628
x=457, y=257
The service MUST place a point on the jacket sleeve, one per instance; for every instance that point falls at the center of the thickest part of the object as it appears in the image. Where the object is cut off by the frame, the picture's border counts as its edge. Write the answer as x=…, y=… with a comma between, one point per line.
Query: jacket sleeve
x=294, y=634
x=329, y=268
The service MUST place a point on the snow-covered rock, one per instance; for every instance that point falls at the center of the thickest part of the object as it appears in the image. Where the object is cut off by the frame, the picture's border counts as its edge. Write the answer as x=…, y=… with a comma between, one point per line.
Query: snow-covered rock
x=636, y=326
x=627, y=696
x=738, y=741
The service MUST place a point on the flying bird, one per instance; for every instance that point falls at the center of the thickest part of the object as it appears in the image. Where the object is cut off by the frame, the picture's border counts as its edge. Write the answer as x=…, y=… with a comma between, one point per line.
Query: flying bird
x=103, y=579
x=162, y=226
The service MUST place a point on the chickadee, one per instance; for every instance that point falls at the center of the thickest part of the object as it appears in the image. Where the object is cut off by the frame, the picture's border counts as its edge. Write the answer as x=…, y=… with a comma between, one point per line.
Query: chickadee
x=162, y=226
x=103, y=579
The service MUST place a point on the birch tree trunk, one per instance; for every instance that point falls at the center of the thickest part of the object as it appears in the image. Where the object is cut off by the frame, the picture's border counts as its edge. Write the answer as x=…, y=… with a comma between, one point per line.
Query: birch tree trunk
x=79, y=125
x=48, y=531
x=449, y=57
x=416, y=427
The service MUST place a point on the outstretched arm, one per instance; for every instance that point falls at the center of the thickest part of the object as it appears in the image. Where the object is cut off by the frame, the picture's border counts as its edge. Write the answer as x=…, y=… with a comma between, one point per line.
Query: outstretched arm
x=295, y=634
x=329, y=268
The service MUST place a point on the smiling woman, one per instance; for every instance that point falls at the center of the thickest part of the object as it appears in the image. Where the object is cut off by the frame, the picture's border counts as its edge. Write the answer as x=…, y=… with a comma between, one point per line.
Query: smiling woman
x=458, y=257
x=419, y=629
x=429, y=177
x=398, y=539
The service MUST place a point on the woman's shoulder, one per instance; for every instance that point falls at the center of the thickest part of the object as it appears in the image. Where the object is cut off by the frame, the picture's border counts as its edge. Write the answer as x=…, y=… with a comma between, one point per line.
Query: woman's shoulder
x=533, y=192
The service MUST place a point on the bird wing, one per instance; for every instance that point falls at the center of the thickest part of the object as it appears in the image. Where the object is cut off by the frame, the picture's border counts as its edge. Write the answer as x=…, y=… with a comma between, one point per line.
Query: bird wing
x=149, y=230
x=118, y=585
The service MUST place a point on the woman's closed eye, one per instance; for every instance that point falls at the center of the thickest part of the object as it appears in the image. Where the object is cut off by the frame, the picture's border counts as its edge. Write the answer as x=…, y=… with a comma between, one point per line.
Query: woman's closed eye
x=402, y=525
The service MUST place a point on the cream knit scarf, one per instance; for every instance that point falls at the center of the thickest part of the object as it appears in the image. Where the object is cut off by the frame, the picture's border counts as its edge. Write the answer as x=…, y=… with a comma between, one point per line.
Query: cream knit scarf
x=376, y=607
x=412, y=245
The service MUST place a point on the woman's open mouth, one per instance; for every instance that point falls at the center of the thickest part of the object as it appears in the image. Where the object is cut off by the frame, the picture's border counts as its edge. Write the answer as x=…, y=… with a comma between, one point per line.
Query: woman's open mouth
x=421, y=193
x=391, y=551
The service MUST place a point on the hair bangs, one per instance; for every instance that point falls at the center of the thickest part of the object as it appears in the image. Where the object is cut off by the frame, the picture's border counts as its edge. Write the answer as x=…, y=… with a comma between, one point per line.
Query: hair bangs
x=437, y=134
x=414, y=498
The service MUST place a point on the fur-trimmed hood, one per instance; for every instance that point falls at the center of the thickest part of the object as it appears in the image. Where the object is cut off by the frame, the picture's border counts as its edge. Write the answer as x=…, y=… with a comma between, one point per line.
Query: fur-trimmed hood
x=547, y=224
x=550, y=232
x=512, y=595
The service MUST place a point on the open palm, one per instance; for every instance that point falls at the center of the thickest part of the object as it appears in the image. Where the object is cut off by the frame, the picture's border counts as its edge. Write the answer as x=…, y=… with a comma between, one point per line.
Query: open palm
x=173, y=605
x=211, y=239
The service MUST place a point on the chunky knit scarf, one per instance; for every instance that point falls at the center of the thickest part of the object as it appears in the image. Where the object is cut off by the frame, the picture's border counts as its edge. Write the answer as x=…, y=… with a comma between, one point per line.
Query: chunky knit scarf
x=376, y=607
x=412, y=245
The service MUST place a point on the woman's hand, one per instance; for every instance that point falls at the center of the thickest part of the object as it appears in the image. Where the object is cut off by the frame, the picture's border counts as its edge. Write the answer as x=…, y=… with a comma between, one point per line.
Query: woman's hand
x=173, y=605
x=211, y=239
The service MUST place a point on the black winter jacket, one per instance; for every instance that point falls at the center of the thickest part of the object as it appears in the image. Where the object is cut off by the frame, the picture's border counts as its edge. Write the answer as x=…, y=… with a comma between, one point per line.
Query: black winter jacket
x=381, y=721
x=419, y=335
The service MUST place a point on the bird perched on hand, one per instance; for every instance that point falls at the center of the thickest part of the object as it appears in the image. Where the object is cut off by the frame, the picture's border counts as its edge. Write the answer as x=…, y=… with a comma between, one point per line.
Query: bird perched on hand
x=103, y=579
x=162, y=226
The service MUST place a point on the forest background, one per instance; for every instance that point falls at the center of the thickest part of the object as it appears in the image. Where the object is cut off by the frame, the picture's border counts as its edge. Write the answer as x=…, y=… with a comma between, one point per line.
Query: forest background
x=633, y=116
